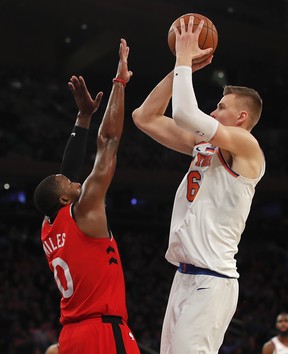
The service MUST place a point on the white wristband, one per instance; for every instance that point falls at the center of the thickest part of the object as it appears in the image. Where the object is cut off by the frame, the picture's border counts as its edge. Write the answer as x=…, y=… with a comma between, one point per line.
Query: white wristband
x=185, y=111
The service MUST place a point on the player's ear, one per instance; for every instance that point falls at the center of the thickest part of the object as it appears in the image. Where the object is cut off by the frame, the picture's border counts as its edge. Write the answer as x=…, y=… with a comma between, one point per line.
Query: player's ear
x=242, y=117
x=64, y=200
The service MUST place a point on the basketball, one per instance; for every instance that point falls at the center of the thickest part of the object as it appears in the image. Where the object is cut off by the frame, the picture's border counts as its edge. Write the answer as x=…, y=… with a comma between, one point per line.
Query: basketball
x=208, y=37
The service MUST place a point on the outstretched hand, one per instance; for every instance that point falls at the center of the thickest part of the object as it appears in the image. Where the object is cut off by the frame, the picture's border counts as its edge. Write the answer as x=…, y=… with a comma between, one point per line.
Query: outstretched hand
x=123, y=72
x=85, y=103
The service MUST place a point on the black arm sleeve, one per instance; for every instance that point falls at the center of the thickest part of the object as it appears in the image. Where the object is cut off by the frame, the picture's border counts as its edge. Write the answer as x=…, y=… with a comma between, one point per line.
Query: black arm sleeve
x=74, y=154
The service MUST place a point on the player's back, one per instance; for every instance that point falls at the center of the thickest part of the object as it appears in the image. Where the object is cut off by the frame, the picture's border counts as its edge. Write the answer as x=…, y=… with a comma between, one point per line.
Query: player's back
x=87, y=271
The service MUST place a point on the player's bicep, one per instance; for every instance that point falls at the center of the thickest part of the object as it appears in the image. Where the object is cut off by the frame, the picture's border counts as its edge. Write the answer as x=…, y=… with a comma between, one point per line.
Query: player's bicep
x=236, y=140
x=164, y=130
x=90, y=210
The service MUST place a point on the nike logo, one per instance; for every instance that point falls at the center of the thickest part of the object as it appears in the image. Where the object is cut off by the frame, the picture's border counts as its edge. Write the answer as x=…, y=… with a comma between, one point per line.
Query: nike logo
x=198, y=148
x=202, y=288
x=199, y=132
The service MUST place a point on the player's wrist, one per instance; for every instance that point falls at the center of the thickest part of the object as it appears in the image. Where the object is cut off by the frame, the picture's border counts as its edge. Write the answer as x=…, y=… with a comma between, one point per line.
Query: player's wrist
x=119, y=80
x=83, y=119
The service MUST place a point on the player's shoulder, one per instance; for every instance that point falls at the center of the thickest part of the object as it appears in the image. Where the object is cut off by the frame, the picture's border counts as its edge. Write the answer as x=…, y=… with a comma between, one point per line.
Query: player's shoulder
x=268, y=347
x=52, y=349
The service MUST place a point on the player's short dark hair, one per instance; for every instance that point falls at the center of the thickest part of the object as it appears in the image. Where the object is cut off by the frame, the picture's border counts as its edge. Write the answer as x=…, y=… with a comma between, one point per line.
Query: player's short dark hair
x=46, y=196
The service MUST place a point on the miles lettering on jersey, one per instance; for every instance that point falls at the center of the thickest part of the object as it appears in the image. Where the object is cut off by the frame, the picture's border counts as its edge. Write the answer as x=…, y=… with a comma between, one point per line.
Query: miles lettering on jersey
x=52, y=245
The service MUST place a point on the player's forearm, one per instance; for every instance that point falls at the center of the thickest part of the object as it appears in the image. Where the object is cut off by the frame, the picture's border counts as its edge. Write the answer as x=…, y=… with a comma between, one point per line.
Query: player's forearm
x=186, y=113
x=155, y=104
x=113, y=120
x=74, y=153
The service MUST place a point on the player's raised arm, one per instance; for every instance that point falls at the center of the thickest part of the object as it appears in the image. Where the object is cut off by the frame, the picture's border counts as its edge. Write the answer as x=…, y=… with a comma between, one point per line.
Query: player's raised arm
x=75, y=150
x=90, y=210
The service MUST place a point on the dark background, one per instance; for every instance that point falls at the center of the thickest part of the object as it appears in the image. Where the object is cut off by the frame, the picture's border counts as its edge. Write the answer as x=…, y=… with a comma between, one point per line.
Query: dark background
x=45, y=43
x=42, y=45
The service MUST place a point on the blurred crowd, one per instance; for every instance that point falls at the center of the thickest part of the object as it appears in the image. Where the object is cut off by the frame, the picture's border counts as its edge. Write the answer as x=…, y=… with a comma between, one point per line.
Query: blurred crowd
x=36, y=118
x=29, y=299
x=38, y=114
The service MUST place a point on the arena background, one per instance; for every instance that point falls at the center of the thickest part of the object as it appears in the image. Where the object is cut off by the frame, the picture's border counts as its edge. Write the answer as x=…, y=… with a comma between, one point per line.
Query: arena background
x=42, y=45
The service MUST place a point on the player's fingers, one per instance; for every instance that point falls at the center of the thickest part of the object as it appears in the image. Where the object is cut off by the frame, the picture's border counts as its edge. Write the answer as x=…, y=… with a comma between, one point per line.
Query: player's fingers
x=199, y=28
x=83, y=83
x=122, y=47
x=98, y=99
x=71, y=86
x=203, y=52
x=190, y=24
x=198, y=66
x=207, y=51
x=75, y=82
x=175, y=29
x=182, y=25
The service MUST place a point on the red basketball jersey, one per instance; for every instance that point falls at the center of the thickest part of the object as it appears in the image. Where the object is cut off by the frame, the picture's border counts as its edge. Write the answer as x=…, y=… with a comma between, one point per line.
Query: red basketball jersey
x=87, y=271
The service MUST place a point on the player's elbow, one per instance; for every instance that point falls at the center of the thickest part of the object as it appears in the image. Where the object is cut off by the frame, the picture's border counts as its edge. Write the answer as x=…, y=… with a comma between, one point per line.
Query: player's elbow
x=180, y=118
x=138, y=117
x=106, y=142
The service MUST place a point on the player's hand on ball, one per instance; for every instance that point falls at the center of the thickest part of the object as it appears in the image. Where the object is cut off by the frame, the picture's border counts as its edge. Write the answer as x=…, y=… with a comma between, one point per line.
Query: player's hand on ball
x=186, y=46
x=208, y=37
x=197, y=66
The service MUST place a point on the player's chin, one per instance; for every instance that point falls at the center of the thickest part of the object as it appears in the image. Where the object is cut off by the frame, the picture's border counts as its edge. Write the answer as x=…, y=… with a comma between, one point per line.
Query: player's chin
x=79, y=193
x=76, y=196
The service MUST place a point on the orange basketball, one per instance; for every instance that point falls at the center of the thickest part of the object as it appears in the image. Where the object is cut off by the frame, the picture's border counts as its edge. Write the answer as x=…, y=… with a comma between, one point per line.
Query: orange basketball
x=208, y=37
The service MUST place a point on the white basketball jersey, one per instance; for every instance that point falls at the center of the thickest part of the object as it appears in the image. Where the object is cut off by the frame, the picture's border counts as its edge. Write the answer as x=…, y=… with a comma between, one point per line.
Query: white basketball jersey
x=210, y=210
x=279, y=347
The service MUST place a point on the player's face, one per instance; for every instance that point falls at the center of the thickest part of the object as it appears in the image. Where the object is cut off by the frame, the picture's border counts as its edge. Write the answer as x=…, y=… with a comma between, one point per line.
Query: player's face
x=282, y=323
x=227, y=111
x=70, y=190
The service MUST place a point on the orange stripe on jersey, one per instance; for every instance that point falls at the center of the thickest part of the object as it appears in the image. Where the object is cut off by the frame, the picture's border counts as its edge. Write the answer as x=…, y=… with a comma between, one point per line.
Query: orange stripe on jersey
x=224, y=163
